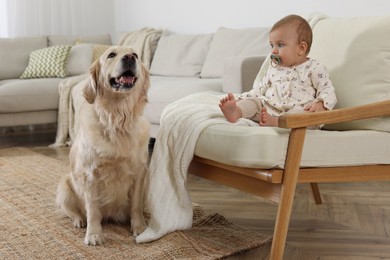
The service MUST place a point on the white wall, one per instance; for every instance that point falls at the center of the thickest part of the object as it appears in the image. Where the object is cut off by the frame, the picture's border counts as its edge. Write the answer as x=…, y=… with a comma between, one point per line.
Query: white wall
x=43, y=17
x=205, y=16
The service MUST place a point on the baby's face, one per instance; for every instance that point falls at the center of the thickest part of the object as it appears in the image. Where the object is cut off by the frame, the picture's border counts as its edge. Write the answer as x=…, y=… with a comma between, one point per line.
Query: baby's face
x=284, y=43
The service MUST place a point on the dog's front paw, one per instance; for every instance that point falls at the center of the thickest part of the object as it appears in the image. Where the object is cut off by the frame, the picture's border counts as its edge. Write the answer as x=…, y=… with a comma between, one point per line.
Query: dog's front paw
x=138, y=227
x=94, y=239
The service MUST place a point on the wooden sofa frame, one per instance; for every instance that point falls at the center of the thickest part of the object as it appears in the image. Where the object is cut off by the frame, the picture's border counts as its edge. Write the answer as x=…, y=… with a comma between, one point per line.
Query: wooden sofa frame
x=279, y=185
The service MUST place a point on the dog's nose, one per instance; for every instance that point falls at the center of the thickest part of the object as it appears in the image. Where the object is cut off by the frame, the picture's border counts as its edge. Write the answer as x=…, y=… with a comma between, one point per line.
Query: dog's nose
x=129, y=62
x=128, y=57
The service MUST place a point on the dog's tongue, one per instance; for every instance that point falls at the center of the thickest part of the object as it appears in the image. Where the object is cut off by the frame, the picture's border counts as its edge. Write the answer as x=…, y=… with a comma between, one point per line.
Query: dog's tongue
x=126, y=80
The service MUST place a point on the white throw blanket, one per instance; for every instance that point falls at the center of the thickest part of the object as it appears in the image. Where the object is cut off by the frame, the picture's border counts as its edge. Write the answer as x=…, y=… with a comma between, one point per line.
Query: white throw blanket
x=66, y=110
x=144, y=42
x=167, y=199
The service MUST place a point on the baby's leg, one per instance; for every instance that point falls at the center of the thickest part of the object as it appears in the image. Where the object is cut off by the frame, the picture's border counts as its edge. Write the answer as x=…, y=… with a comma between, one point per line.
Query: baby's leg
x=229, y=108
x=266, y=119
x=250, y=108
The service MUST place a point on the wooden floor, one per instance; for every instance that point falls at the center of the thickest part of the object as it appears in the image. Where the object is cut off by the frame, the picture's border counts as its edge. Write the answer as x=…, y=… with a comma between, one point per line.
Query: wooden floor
x=352, y=223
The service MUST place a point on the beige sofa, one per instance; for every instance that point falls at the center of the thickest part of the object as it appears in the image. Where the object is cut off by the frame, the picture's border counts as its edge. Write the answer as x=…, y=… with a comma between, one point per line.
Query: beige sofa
x=34, y=99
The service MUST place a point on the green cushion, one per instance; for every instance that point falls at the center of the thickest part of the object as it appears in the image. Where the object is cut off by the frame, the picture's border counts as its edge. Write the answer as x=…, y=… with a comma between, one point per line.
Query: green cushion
x=48, y=62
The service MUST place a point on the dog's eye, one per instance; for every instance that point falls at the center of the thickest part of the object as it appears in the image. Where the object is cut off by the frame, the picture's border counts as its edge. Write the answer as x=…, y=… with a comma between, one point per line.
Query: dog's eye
x=135, y=55
x=111, y=55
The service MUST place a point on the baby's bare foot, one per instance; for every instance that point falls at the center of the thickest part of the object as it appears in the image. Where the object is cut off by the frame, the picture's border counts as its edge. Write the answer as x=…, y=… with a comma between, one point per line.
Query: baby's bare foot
x=229, y=108
x=267, y=119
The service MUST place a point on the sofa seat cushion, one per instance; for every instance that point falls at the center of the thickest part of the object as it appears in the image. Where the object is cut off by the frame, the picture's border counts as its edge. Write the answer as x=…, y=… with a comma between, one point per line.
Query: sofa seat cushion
x=165, y=90
x=265, y=147
x=20, y=95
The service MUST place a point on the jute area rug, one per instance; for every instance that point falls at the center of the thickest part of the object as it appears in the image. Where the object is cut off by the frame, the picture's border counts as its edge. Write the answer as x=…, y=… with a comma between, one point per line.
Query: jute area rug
x=31, y=228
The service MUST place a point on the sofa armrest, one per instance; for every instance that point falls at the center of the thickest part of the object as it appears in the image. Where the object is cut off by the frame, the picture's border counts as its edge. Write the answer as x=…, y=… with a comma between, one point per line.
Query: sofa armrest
x=239, y=73
x=377, y=109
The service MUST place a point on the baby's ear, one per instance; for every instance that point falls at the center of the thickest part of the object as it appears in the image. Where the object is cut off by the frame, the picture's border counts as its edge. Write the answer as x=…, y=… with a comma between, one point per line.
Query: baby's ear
x=303, y=48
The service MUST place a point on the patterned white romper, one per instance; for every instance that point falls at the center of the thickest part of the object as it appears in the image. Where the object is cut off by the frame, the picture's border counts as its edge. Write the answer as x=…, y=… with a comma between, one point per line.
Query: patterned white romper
x=288, y=90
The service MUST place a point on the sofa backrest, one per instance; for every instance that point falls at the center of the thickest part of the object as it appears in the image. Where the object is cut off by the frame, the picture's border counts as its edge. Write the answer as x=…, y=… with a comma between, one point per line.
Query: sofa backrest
x=180, y=55
x=15, y=52
x=228, y=43
x=203, y=55
x=84, y=51
x=356, y=52
x=67, y=39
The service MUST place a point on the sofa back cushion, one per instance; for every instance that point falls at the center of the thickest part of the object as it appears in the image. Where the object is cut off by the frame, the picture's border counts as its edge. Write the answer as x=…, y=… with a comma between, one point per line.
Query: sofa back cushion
x=180, y=55
x=356, y=52
x=234, y=42
x=15, y=52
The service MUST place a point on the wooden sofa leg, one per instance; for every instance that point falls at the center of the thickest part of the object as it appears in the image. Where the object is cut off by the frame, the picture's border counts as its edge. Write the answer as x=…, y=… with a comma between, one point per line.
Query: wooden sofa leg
x=289, y=184
x=316, y=192
x=282, y=220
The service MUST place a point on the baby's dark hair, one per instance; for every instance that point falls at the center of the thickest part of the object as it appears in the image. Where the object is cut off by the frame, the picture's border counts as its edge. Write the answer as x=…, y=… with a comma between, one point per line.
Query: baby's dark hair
x=303, y=28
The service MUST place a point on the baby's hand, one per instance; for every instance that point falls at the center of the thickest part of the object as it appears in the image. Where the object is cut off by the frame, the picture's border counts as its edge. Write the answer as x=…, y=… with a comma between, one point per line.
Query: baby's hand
x=315, y=107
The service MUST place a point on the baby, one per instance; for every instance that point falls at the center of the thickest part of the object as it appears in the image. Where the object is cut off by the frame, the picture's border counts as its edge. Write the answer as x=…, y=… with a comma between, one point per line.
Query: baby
x=294, y=83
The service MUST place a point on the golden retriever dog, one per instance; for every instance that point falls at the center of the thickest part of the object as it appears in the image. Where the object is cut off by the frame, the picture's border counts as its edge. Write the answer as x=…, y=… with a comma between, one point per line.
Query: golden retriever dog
x=109, y=155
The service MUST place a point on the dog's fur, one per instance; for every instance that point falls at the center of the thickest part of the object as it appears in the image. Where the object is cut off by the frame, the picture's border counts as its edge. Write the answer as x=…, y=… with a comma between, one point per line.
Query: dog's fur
x=108, y=158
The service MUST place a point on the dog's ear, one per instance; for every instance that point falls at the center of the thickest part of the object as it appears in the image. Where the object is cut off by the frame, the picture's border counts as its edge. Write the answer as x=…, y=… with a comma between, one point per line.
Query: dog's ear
x=91, y=90
x=146, y=78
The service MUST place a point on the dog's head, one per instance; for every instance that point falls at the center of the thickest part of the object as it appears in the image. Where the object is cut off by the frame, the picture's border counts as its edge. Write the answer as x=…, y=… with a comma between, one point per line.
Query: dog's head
x=117, y=73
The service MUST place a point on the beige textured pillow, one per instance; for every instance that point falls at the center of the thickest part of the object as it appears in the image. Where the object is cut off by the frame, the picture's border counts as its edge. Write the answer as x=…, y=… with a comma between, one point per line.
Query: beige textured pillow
x=79, y=59
x=234, y=42
x=98, y=50
x=356, y=52
x=180, y=55
x=48, y=62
